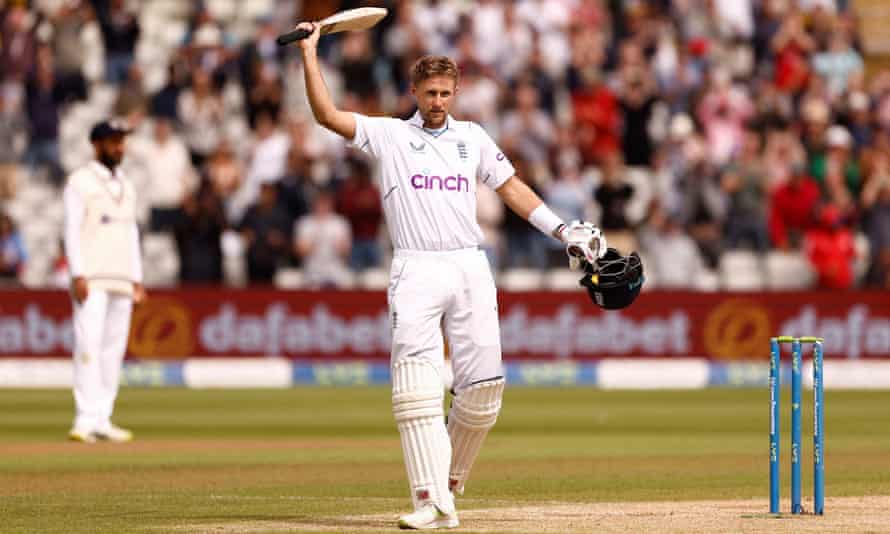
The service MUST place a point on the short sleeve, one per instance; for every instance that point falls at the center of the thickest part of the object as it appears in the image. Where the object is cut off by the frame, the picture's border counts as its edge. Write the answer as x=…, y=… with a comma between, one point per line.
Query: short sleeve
x=494, y=167
x=370, y=134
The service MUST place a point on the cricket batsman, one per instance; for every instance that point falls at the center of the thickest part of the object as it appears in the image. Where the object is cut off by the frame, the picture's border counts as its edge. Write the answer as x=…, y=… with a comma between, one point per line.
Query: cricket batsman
x=429, y=166
x=102, y=248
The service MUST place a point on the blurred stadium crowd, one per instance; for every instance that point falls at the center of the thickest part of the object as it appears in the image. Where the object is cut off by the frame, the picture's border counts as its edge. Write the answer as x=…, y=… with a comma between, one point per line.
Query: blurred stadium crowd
x=736, y=143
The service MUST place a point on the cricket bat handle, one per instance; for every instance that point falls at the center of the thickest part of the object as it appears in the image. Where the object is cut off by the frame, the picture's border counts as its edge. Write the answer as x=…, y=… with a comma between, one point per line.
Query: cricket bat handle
x=296, y=35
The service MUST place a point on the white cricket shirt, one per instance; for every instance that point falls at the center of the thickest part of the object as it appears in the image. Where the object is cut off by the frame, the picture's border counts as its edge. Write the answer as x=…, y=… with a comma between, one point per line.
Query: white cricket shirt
x=101, y=235
x=428, y=180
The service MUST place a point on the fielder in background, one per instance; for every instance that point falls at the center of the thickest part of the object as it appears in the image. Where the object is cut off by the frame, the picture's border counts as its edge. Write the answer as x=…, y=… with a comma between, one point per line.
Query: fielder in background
x=429, y=166
x=102, y=248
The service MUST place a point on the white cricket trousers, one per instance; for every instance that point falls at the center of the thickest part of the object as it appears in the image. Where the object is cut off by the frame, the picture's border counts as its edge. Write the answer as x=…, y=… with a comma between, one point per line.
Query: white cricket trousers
x=454, y=289
x=101, y=329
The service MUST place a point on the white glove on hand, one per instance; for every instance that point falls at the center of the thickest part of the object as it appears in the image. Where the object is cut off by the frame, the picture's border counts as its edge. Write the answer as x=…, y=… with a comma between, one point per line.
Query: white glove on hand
x=584, y=243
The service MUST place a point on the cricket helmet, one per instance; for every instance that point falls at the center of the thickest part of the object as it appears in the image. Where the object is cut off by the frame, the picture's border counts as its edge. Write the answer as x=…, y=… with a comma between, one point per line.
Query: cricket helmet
x=614, y=281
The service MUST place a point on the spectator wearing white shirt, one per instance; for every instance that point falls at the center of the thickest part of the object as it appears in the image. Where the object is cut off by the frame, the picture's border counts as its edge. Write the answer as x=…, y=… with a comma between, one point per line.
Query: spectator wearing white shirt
x=518, y=44
x=323, y=242
x=268, y=164
x=549, y=19
x=170, y=175
x=735, y=16
x=200, y=108
x=829, y=6
x=675, y=257
x=488, y=30
x=270, y=149
x=436, y=22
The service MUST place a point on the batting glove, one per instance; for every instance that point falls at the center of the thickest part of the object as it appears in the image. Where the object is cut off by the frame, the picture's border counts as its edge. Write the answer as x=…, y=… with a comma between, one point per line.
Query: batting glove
x=585, y=243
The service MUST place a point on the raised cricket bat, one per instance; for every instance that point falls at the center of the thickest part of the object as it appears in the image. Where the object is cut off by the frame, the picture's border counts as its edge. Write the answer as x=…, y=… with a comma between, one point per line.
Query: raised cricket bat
x=360, y=18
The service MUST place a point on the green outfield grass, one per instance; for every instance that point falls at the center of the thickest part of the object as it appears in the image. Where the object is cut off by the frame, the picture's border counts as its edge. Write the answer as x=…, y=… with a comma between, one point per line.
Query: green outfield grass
x=310, y=456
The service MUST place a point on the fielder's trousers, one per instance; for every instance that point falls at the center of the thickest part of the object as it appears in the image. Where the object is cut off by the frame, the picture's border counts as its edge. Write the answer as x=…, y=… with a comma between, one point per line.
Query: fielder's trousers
x=101, y=329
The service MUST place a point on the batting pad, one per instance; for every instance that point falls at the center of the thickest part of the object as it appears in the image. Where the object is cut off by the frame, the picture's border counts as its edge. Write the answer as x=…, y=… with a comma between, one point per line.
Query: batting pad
x=473, y=413
x=417, y=398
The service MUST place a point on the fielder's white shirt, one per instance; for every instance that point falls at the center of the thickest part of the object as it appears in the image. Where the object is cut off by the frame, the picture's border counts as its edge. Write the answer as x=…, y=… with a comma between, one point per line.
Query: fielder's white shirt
x=101, y=234
x=428, y=180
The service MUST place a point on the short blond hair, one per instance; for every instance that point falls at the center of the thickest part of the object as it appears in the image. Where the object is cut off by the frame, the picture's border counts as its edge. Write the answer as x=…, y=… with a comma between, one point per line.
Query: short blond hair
x=430, y=66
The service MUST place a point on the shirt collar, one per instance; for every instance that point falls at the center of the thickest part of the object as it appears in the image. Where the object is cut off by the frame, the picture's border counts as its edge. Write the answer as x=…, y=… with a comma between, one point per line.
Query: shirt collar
x=417, y=120
x=104, y=171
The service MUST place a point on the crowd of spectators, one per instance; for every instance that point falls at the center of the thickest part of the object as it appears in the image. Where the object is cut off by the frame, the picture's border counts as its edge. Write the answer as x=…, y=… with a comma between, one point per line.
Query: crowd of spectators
x=683, y=128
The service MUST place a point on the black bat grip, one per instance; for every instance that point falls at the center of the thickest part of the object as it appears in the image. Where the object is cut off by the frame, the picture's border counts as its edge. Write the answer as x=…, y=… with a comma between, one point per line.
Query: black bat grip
x=296, y=35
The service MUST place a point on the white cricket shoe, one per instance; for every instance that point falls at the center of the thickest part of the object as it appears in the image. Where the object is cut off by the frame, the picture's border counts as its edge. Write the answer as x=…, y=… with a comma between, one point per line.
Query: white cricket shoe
x=81, y=435
x=114, y=433
x=428, y=517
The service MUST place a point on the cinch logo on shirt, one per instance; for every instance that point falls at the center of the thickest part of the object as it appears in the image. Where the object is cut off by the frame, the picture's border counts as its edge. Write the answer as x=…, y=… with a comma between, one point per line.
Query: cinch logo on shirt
x=449, y=183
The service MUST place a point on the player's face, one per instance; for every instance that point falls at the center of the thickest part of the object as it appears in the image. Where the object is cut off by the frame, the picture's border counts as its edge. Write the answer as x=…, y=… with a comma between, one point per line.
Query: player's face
x=434, y=97
x=111, y=150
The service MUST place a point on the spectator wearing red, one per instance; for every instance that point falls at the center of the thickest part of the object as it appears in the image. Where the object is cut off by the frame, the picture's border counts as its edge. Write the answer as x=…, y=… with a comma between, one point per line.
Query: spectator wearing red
x=791, y=45
x=594, y=106
x=830, y=249
x=792, y=206
x=597, y=116
x=359, y=201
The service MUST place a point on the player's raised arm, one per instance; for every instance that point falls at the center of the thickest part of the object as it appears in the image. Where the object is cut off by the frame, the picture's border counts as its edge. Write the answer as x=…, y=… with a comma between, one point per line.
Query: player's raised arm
x=323, y=108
